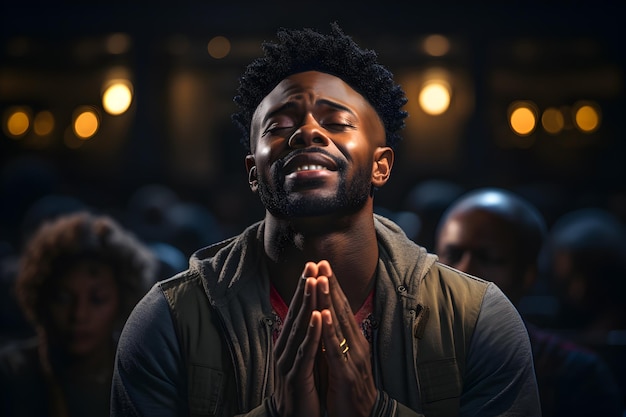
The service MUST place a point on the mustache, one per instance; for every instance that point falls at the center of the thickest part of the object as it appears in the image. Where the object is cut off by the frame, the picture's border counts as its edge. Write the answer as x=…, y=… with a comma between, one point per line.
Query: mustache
x=338, y=161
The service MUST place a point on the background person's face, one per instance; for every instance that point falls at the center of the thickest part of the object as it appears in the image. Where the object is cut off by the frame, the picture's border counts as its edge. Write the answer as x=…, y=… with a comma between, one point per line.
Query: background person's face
x=481, y=244
x=83, y=308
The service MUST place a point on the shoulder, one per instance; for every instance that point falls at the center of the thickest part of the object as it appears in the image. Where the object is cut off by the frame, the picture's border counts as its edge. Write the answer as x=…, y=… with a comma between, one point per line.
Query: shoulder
x=444, y=281
x=19, y=357
x=499, y=361
x=149, y=324
x=222, y=268
x=187, y=300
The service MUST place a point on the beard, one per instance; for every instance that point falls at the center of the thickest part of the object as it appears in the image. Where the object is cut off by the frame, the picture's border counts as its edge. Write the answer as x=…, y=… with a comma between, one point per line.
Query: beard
x=349, y=197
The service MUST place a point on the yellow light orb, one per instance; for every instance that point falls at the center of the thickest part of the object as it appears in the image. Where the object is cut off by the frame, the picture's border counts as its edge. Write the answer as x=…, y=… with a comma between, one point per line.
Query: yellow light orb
x=552, y=120
x=219, y=47
x=17, y=123
x=587, y=118
x=434, y=98
x=523, y=118
x=43, y=123
x=117, y=98
x=436, y=45
x=86, y=123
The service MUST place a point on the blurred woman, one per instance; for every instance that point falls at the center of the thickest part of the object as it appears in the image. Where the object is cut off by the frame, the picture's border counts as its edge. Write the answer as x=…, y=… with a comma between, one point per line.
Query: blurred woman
x=79, y=277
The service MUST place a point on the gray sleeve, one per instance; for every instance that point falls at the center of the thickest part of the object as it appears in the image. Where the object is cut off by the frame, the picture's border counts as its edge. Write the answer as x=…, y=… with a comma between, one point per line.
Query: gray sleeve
x=500, y=376
x=149, y=377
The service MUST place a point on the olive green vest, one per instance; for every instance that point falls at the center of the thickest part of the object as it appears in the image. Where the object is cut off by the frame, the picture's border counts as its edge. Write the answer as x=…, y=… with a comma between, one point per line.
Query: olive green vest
x=437, y=317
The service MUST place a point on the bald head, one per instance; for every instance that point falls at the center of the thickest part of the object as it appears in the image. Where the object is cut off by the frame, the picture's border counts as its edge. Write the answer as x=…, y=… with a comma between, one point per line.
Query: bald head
x=495, y=235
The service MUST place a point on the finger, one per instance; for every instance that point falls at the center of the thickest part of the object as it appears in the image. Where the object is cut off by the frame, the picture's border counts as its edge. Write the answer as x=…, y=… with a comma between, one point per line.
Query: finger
x=296, y=393
x=336, y=348
x=296, y=327
x=341, y=308
x=345, y=322
x=324, y=302
x=305, y=359
x=310, y=270
x=323, y=268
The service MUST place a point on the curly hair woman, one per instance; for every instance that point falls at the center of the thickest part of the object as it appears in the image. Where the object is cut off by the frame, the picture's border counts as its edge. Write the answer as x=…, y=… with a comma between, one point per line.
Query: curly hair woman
x=79, y=277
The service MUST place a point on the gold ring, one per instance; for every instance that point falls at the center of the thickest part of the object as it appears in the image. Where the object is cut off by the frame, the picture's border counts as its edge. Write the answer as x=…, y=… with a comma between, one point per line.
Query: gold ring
x=344, y=345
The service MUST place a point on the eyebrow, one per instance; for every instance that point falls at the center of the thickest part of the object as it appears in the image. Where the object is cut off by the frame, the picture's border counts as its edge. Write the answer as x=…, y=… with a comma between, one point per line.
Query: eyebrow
x=293, y=104
x=286, y=106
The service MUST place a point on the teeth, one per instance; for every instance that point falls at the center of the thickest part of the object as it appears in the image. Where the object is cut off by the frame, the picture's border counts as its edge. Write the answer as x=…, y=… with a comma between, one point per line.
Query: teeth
x=309, y=168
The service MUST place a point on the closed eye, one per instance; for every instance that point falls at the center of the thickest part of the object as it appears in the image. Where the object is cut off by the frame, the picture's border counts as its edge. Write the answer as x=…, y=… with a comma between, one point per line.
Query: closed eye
x=275, y=128
x=338, y=126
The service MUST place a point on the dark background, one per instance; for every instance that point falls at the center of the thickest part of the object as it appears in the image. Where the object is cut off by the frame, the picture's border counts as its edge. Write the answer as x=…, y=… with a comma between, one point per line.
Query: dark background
x=178, y=133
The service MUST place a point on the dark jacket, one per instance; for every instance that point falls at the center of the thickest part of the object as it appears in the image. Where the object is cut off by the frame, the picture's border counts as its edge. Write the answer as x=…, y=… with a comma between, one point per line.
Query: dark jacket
x=445, y=343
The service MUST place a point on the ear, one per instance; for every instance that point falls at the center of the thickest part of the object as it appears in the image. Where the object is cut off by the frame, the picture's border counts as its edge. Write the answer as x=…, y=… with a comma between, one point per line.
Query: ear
x=252, y=175
x=381, y=170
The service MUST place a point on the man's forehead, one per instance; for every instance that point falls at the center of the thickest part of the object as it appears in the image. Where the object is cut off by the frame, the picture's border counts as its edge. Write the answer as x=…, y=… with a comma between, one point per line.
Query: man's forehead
x=311, y=85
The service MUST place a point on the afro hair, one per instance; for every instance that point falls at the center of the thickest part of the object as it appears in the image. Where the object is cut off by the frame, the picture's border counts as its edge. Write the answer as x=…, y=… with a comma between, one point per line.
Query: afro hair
x=336, y=54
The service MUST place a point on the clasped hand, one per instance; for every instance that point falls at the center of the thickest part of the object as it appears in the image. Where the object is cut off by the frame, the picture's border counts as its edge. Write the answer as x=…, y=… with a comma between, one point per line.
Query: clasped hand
x=322, y=358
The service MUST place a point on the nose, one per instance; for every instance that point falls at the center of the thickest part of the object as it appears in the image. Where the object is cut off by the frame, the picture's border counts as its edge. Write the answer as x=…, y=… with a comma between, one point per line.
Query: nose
x=80, y=310
x=308, y=134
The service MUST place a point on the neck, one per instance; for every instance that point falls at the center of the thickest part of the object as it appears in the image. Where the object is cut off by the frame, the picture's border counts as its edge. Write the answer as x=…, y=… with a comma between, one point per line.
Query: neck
x=348, y=243
x=96, y=364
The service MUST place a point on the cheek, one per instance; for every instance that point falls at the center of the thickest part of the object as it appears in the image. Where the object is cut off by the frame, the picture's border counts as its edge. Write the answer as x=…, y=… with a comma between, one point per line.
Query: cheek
x=359, y=151
x=262, y=156
x=107, y=312
x=59, y=314
x=358, y=146
x=266, y=153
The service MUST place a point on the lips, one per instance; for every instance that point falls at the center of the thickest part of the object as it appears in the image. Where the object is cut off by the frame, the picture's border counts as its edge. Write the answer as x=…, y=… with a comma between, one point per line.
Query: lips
x=309, y=161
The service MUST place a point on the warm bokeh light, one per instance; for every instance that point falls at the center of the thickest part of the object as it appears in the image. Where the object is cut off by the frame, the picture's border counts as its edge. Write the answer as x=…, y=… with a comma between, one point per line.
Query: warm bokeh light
x=523, y=118
x=117, y=97
x=86, y=123
x=436, y=45
x=552, y=120
x=219, y=47
x=586, y=117
x=117, y=43
x=435, y=97
x=43, y=123
x=17, y=122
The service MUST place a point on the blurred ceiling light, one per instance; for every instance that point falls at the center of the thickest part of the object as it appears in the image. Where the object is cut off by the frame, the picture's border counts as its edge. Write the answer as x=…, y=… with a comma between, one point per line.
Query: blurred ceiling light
x=434, y=98
x=436, y=45
x=523, y=117
x=587, y=116
x=552, y=120
x=43, y=123
x=117, y=97
x=219, y=47
x=17, y=122
x=86, y=122
x=117, y=43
